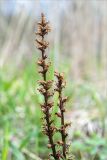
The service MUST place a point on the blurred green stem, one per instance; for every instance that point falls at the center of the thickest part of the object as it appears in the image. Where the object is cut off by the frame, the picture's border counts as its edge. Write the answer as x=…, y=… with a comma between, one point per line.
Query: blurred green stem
x=31, y=155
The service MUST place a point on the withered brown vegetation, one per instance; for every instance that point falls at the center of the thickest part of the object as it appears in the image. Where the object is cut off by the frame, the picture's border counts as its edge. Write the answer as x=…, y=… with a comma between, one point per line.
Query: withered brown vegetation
x=58, y=148
x=60, y=84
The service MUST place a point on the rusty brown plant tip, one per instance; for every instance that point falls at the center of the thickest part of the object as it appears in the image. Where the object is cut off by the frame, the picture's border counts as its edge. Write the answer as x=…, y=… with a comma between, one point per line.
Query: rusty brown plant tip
x=59, y=149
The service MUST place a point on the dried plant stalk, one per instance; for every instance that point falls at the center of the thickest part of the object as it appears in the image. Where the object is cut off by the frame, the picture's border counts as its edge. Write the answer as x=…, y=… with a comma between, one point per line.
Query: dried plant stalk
x=60, y=84
x=59, y=148
x=49, y=128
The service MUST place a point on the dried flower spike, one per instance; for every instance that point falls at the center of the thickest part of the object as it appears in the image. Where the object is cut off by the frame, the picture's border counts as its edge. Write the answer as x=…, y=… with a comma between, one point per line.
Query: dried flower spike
x=60, y=84
x=60, y=148
x=48, y=128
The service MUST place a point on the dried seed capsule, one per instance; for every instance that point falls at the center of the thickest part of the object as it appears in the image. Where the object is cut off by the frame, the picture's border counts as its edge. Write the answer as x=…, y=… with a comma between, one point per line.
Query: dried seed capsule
x=49, y=146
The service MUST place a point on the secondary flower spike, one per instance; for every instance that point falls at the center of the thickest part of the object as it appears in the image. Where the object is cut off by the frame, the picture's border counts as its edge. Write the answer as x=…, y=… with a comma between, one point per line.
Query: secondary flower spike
x=60, y=85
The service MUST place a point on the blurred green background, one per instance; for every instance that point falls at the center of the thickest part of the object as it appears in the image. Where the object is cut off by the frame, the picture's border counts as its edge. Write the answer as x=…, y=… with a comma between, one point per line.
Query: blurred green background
x=78, y=48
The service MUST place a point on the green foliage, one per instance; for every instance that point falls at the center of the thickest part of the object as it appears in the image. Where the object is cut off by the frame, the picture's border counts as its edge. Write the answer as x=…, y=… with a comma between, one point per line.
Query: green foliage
x=20, y=124
x=20, y=116
x=90, y=147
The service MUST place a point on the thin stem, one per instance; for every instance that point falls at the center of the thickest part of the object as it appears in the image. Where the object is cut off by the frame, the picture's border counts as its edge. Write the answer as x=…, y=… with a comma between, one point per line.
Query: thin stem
x=62, y=120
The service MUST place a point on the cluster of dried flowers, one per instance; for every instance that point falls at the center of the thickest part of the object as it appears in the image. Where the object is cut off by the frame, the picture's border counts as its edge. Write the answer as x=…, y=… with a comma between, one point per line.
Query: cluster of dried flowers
x=59, y=148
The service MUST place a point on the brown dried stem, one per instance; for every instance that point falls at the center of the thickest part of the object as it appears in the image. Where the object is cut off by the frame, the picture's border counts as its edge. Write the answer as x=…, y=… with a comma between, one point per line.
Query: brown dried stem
x=49, y=128
x=60, y=84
